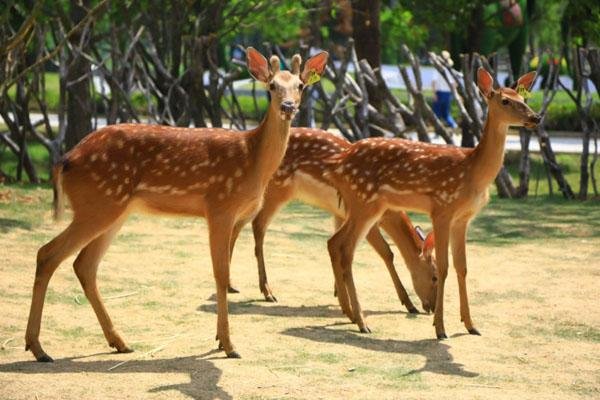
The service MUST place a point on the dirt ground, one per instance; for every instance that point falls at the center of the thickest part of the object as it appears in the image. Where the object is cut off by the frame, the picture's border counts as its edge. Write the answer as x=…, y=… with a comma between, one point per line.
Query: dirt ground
x=534, y=301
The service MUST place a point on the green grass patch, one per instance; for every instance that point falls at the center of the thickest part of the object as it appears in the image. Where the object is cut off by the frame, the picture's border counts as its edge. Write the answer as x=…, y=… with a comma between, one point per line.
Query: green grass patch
x=491, y=298
x=39, y=156
x=72, y=333
x=577, y=331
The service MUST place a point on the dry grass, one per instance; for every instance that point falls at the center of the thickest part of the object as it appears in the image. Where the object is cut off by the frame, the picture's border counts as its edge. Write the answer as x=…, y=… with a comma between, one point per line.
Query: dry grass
x=535, y=300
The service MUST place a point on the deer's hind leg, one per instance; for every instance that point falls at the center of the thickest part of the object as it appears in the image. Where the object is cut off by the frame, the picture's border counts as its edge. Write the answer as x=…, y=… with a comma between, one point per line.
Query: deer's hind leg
x=382, y=248
x=82, y=230
x=237, y=228
x=86, y=268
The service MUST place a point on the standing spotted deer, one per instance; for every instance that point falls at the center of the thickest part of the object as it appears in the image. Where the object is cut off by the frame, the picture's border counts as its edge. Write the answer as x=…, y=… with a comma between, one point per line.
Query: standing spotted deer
x=450, y=184
x=213, y=173
x=300, y=176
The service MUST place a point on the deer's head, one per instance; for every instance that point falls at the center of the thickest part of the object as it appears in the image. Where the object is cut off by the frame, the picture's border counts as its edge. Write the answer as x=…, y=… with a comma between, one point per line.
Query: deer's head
x=424, y=276
x=506, y=104
x=286, y=87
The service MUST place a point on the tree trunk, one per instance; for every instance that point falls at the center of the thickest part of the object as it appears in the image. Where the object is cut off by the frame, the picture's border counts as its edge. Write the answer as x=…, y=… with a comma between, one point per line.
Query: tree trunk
x=367, y=39
x=524, y=164
x=593, y=56
x=79, y=110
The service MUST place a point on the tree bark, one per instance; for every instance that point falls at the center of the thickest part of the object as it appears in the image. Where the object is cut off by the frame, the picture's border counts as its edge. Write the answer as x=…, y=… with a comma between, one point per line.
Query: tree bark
x=367, y=38
x=79, y=110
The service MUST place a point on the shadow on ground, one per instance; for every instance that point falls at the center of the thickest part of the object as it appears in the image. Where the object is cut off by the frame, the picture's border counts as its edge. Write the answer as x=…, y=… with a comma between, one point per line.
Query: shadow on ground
x=261, y=307
x=438, y=359
x=204, y=376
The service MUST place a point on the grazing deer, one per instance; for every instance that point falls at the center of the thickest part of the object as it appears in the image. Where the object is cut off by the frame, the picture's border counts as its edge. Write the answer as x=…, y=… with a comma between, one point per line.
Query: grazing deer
x=213, y=173
x=450, y=184
x=300, y=176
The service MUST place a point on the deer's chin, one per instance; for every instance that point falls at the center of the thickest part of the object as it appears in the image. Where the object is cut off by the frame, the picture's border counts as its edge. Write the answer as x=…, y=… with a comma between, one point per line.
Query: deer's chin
x=287, y=116
x=530, y=125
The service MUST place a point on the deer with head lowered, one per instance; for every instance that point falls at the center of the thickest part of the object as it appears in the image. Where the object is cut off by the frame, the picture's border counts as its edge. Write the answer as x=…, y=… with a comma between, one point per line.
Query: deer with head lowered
x=213, y=173
x=448, y=183
x=300, y=176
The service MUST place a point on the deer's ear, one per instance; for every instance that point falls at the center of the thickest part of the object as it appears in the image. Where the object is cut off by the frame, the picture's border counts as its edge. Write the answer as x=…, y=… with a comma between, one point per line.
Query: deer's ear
x=257, y=65
x=428, y=245
x=527, y=80
x=314, y=68
x=485, y=82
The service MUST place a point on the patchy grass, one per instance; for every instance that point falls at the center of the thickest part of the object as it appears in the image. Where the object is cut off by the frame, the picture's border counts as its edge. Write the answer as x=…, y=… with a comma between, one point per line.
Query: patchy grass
x=532, y=269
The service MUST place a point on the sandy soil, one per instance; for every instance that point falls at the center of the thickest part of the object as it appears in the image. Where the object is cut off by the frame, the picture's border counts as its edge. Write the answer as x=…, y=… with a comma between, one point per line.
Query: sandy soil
x=536, y=304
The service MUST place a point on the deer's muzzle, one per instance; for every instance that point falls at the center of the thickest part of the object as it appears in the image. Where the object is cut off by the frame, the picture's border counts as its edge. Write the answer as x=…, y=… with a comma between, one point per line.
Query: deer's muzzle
x=533, y=121
x=288, y=107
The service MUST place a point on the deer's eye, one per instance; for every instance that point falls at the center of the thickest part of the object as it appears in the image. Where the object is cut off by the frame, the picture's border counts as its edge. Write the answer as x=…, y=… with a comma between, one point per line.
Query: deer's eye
x=434, y=279
x=505, y=102
x=301, y=86
x=271, y=86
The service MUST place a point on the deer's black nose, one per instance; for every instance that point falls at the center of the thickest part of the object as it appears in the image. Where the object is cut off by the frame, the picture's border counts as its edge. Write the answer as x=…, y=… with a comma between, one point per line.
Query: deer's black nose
x=287, y=106
x=536, y=118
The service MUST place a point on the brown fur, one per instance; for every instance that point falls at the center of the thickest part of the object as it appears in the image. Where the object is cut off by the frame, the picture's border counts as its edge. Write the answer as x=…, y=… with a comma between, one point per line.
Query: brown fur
x=301, y=176
x=213, y=173
x=449, y=184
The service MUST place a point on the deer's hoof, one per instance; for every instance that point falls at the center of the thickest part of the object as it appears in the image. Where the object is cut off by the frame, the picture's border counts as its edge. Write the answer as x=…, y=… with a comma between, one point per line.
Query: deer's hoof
x=125, y=349
x=413, y=310
x=442, y=336
x=365, y=329
x=45, y=358
x=233, y=354
x=231, y=289
x=270, y=298
x=474, y=331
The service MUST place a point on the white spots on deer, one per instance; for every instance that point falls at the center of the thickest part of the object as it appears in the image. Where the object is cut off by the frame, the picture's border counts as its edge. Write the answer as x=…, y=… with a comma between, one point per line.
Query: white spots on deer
x=238, y=172
x=229, y=185
x=93, y=157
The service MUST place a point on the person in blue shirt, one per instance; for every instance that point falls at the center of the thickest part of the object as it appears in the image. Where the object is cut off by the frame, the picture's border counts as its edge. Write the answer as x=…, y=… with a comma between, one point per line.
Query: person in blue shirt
x=442, y=94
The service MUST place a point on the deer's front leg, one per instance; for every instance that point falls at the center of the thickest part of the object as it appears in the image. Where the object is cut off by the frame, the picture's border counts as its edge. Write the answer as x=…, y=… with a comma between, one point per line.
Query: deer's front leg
x=220, y=231
x=441, y=227
x=458, y=242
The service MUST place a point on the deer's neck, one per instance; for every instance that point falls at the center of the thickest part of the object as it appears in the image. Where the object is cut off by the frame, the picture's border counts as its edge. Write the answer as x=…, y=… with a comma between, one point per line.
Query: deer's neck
x=269, y=141
x=488, y=156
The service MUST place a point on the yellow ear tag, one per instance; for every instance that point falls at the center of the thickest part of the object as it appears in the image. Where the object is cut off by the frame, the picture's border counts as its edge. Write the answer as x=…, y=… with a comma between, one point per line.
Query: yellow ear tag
x=523, y=92
x=313, y=77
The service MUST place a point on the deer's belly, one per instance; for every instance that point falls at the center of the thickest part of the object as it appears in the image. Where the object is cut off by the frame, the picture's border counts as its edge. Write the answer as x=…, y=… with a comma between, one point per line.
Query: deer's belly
x=317, y=193
x=156, y=203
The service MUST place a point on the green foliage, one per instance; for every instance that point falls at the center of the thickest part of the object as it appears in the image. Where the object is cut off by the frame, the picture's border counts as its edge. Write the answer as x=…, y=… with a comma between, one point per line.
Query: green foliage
x=583, y=19
x=278, y=23
x=545, y=24
x=398, y=27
